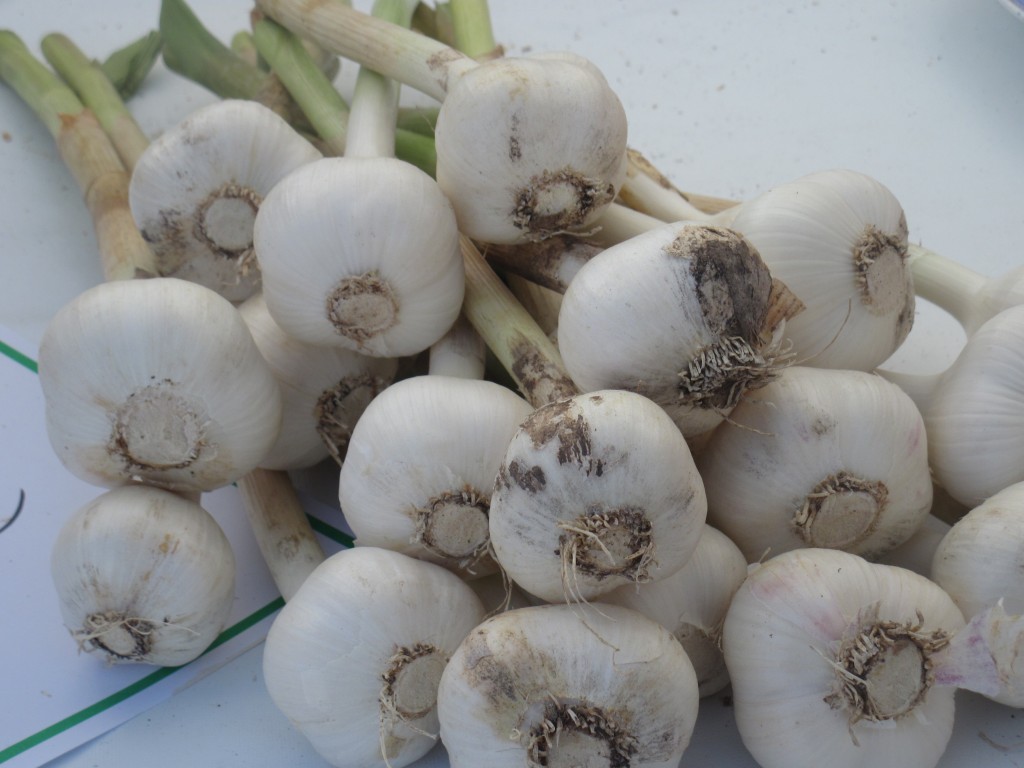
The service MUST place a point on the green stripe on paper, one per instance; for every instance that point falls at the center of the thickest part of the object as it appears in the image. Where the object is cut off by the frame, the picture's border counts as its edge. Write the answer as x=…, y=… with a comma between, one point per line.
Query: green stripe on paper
x=136, y=687
x=325, y=529
x=20, y=358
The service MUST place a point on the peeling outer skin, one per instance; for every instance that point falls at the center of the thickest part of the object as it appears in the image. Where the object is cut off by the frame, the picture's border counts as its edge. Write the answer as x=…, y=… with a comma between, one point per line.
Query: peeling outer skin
x=987, y=657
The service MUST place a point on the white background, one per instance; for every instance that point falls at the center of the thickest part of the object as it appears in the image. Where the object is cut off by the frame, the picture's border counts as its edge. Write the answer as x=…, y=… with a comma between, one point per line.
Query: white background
x=727, y=97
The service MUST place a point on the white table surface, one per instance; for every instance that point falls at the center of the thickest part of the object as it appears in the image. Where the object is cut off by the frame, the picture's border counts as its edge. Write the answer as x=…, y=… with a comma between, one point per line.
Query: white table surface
x=727, y=97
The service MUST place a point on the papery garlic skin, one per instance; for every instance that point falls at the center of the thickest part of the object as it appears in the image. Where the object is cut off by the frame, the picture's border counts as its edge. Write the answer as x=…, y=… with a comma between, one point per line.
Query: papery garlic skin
x=143, y=575
x=568, y=685
x=796, y=634
x=595, y=491
x=980, y=560
x=421, y=465
x=324, y=390
x=354, y=658
x=691, y=328
x=530, y=147
x=819, y=458
x=838, y=240
x=156, y=381
x=361, y=253
x=195, y=191
x=975, y=416
x=692, y=602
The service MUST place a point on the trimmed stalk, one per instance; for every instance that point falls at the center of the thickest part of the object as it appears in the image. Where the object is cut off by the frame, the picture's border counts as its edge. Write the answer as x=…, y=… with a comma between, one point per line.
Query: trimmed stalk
x=87, y=153
x=474, y=36
x=99, y=94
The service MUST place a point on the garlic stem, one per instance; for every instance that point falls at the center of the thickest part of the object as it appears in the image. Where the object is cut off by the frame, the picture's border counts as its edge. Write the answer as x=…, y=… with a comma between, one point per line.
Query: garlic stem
x=322, y=104
x=243, y=45
x=87, y=153
x=129, y=66
x=649, y=191
x=409, y=57
x=460, y=353
x=619, y=223
x=283, y=532
x=93, y=87
x=512, y=335
x=371, y=123
x=551, y=263
x=474, y=36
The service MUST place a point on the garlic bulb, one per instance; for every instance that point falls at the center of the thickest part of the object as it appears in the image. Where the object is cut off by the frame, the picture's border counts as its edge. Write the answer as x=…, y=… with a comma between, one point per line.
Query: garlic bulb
x=156, y=381
x=819, y=458
x=354, y=658
x=324, y=390
x=838, y=240
x=691, y=604
x=361, y=253
x=508, y=176
x=568, y=685
x=421, y=465
x=595, y=491
x=692, y=328
x=196, y=189
x=143, y=575
x=843, y=648
x=526, y=147
x=980, y=560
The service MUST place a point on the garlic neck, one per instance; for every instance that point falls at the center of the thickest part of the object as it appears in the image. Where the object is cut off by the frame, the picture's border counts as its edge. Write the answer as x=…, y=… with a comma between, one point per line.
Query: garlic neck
x=841, y=511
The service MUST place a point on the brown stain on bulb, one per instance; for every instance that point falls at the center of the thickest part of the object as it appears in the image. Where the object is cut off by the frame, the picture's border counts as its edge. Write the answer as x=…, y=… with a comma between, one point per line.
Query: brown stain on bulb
x=562, y=422
x=555, y=202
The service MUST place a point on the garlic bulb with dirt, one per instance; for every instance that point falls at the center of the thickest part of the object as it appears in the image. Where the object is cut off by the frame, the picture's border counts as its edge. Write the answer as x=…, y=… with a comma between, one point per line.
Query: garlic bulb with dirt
x=355, y=657
x=838, y=240
x=527, y=147
x=324, y=390
x=819, y=458
x=156, y=381
x=196, y=190
x=143, y=575
x=847, y=649
x=420, y=468
x=594, y=492
x=692, y=602
x=554, y=685
x=693, y=328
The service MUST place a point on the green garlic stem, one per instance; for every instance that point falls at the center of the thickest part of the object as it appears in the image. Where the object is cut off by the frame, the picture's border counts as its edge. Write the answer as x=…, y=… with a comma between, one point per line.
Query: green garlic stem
x=243, y=46
x=87, y=153
x=89, y=81
x=515, y=338
x=946, y=283
x=474, y=36
x=394, y=51
x=128, y=67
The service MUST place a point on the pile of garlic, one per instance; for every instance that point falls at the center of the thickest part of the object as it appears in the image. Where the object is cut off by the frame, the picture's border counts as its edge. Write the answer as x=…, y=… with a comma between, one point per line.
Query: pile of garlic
x=692, y=482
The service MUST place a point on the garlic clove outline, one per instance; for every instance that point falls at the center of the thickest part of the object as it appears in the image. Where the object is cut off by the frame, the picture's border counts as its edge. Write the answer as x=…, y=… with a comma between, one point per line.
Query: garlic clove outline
x=196, y=189
x=324, y=390
x=568, y=685
x=156, y=381
x=594, y=492
x=819, y=458
x=353, y=660
x=143, y=575
x=361, y=253
x=843, y=647
x=420, y=468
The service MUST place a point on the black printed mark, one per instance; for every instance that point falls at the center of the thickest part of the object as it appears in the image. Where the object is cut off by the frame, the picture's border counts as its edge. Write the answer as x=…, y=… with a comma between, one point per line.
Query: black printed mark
x=17, y=511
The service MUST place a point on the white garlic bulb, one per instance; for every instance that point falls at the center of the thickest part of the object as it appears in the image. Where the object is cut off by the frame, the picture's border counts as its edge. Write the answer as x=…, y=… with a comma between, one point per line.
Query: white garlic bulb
x=156, y=381
x=143, y=575
x=324, y=390
x=595, y=491
x=980, y=559
x=362, y=253
x=355, y=657
x=692, y=327
x=819, y=458
x=421, y=465
x=195, y=191
x=568, y=685
x=529, y=147
x=844, y=648
x=838, y=240
x=691, y=604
